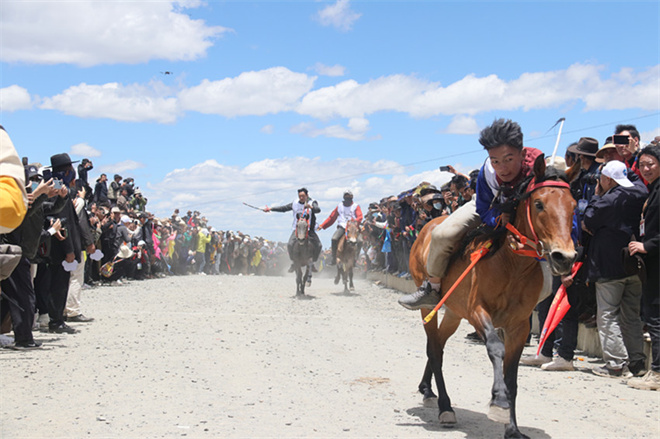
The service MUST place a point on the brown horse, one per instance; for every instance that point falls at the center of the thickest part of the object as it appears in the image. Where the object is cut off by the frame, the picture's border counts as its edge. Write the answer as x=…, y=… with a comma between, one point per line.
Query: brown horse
x=498, y=296
x=347, y=250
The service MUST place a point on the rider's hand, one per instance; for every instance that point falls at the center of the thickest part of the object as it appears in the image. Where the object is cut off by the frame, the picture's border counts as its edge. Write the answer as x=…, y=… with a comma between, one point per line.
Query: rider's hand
x=567, y=280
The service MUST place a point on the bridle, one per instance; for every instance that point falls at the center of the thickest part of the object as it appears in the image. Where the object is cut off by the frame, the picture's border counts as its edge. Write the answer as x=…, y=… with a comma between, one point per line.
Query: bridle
x=538, y=249
x=305, y=216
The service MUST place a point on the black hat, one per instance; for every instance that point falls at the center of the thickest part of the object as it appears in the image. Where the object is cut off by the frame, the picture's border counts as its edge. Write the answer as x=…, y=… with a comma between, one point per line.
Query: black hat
x=585, y=146
x=117, y=176
x=429, y=190
x=61, y=161
x=31, y=171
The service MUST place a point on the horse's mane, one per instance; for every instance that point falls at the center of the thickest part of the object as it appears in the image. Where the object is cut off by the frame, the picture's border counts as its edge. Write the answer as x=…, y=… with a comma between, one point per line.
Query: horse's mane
x=475, y=238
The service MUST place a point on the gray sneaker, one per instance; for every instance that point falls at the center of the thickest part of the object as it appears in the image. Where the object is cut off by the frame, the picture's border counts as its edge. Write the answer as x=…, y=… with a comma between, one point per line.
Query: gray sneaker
x=424, y=297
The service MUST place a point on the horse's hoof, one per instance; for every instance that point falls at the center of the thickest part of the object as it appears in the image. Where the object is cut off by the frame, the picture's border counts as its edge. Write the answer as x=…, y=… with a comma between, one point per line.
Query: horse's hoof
x=498, y=414
x=447, y=418
x=512, y=432
x=352, y=288
x=336, y=280
x=431, y=402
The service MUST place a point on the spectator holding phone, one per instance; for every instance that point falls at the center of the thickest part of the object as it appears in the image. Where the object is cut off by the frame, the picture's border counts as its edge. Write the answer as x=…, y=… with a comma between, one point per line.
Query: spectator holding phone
x=626, y=140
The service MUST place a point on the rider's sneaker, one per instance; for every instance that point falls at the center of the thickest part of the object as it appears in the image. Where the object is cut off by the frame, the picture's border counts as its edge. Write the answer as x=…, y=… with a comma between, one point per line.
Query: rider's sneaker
x=424, y=297
x=292, y=268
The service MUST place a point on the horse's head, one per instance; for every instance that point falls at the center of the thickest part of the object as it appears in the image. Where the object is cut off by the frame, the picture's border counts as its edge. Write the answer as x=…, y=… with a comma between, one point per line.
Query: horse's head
x=548, y=212
x=302, y=226
x=352, y=232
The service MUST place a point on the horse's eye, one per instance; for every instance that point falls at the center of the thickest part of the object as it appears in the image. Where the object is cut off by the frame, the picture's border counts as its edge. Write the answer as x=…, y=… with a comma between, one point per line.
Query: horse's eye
x=539, y=205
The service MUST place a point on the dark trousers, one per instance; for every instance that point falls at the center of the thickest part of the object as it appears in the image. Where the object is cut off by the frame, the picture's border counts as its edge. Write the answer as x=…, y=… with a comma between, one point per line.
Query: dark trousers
x=58, y=293
x=565, y=335
x=42, y=287
x=18, y=287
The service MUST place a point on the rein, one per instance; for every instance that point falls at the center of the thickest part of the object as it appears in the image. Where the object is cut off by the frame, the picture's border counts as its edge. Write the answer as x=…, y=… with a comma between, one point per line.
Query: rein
x=538, y=249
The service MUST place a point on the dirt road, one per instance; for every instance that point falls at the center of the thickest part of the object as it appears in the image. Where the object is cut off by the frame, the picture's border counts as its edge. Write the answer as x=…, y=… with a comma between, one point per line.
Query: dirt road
x=221, y=356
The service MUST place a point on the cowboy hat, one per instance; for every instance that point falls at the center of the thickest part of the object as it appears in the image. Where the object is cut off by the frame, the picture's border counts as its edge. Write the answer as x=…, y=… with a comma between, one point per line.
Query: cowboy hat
x=586, y=146
x=61, y=161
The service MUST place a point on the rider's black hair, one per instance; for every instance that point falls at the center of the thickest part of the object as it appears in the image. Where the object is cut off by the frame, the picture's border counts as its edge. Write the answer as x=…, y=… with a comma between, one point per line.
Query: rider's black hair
x=303, y=189
x=502, y=132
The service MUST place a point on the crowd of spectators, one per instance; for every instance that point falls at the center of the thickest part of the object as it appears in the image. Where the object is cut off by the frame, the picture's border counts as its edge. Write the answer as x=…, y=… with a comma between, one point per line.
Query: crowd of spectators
x=59, y=237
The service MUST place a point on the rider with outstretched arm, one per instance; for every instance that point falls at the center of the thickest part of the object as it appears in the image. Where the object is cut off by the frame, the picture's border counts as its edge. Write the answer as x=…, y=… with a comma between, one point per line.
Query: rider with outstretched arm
x=343, y=213
x=507, y=166
x=298, y=206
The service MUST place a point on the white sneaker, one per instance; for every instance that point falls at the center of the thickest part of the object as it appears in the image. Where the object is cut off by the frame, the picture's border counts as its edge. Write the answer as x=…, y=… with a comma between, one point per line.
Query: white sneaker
x=558, y=363
x=534, y=360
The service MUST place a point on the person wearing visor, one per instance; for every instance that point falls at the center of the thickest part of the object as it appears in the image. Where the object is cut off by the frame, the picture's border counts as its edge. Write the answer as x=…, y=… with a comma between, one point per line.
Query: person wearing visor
x=343, y=213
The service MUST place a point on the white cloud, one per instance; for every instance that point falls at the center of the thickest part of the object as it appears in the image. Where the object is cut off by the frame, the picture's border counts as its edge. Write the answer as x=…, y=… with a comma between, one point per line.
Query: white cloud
x=14, y=98
x=210, y=187
x=324, y=70
x=87, y=33
x=473, y=95
x=258, y=93
x=118, y=168
x=267, y=129
x=356, y=130
x=84, y=150
x=462, y=125
x=129, y=103
x=278, y=89
x=339, y=16
x=647, y=136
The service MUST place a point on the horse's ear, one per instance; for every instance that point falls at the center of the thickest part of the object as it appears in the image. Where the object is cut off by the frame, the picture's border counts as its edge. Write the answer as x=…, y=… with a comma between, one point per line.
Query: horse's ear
x=539, y=167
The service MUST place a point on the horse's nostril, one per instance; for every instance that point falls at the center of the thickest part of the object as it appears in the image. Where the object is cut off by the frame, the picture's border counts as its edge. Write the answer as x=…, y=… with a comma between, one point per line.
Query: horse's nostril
x=558, y=256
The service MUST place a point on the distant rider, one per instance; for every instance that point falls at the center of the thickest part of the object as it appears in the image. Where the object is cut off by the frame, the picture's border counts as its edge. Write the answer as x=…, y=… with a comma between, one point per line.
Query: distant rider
x=298, y=206
x=343, y=213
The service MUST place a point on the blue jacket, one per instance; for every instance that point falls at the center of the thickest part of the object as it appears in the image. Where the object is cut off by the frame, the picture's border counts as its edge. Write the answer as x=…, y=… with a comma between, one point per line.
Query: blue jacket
x=488, y=186
x=612, y=219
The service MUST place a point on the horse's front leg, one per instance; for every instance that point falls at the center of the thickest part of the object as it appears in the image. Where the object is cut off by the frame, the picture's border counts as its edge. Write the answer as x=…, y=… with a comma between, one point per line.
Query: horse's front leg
x=515, y=337
x=499, y=403
x=350, y=280
x=437, y=338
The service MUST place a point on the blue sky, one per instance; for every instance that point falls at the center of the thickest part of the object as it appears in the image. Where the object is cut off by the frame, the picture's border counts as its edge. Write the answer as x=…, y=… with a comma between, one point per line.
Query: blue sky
x=265, y=97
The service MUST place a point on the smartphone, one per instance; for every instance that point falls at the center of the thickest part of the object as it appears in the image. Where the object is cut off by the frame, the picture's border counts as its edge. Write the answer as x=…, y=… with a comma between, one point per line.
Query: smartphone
x=47, y=174
x=444, y=168
x=34, y=186
x=25, y=161
x=57, y=183
x=620, y=140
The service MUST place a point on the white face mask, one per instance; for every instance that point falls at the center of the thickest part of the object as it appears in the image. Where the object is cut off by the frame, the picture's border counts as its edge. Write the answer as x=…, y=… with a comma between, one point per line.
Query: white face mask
x=438, y=206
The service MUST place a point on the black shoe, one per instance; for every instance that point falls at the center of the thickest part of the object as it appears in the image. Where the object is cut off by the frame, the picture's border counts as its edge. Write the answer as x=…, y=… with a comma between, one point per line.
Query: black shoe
x=292, y=268
x=425, y=297
x=80, y=318
x=637, y=368
x=25, y=345
x=62, y=329
x=314, y=270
